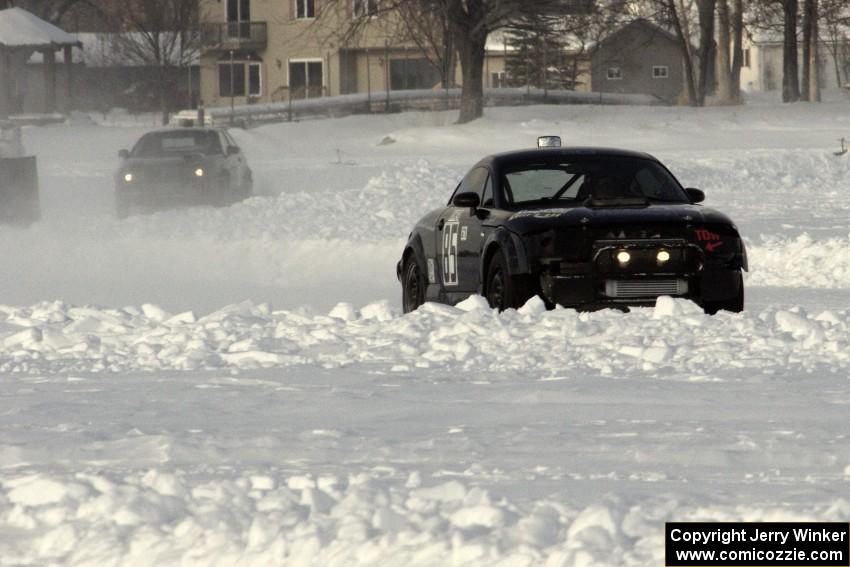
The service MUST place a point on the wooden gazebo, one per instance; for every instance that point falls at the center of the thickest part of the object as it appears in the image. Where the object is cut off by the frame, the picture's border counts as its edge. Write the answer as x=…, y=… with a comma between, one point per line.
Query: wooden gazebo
x=22, y=34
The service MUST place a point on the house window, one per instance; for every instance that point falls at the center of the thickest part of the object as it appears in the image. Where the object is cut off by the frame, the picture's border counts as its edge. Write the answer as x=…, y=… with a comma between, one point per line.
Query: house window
x=614, y=74
x=660, y=71
x=231, y=79
x=306, y=79
x=239, y=78
x=238, y=18
x=365, y=8
x=255, y=79
x=499, y=80
x=746, y=58
x=305, y=9
x=408, y=74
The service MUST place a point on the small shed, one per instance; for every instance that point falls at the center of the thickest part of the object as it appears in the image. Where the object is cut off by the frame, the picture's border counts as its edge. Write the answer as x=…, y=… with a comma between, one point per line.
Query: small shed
x=22, y=34
x=639, y=58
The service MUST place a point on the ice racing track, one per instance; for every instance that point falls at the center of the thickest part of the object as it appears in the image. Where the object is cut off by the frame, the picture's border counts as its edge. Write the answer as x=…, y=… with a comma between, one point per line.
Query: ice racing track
x=238, y=386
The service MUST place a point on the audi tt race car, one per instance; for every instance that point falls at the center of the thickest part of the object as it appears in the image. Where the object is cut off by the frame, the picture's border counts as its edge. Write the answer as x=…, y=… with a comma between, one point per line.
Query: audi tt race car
x=178, y=167
x=586, y=228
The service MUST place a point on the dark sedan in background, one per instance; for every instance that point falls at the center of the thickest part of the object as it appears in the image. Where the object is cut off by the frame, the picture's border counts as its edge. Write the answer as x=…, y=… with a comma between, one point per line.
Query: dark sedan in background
x=580, y=227
x=181, y=167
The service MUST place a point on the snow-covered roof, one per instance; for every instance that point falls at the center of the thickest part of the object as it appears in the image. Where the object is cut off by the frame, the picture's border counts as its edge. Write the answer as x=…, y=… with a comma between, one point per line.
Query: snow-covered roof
x=19, y=28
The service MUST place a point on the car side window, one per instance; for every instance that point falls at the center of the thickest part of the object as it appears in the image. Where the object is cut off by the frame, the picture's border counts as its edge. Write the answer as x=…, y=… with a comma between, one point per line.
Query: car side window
x=224, y=141
x=475, y=180
x=487, y=195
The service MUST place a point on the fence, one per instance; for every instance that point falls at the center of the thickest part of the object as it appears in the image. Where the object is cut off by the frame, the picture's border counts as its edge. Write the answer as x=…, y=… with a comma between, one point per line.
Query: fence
x=395, y=101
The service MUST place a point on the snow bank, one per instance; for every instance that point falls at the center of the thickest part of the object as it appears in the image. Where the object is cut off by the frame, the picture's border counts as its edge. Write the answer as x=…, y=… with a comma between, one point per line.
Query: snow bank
x=157, y=517
x=674, y=340
x=801, y=261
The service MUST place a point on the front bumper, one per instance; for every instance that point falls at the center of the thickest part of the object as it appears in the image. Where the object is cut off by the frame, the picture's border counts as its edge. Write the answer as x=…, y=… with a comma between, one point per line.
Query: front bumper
x=151, y=196
x=607, y=282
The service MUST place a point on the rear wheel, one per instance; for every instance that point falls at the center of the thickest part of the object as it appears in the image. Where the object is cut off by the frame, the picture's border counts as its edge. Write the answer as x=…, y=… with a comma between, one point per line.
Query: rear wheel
x=412, y=285
x=504, y=291
x=734, y=304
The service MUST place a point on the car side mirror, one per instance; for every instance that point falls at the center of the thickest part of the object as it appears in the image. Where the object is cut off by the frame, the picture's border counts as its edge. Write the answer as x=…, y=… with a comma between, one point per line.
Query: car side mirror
x=467, y=200
x=232, y=150
x=123, y=154
x=695, y=195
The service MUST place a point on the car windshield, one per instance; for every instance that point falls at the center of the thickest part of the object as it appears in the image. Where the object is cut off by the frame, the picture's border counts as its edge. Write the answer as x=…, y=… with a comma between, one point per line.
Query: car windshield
x=599, y=179
x=158, y=144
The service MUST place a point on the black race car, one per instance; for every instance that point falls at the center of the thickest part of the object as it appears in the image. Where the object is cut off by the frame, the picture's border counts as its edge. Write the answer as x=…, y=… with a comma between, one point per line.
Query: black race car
x=586, y=228
x=178, y=167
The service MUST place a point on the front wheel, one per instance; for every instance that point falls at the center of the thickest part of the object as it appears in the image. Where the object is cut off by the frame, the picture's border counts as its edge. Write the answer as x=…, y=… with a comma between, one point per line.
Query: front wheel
x=221, y=193
x=734, y=304
x=504, y=291
x=412, y=286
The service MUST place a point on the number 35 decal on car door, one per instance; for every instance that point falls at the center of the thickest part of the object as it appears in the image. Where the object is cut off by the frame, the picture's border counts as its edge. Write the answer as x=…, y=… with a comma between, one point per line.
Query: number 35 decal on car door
x=450, y=236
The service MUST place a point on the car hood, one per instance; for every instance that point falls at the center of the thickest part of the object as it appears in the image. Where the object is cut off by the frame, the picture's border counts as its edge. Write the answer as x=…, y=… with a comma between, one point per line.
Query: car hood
x=538, y=220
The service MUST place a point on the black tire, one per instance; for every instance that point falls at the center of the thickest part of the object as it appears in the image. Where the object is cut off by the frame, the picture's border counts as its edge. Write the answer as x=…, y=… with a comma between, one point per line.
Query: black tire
x=222, y=194
x=412, y=285
x=733, y=305
x=504, y=291
x=248, y=185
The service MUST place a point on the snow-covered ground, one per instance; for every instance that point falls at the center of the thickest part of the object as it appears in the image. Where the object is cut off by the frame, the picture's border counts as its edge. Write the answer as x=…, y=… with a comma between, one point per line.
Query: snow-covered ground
x=236, y=386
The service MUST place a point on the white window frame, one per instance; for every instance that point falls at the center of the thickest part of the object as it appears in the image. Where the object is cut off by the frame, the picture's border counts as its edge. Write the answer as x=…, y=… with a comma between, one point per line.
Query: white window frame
x=614, y=73
x=259, y=67
x=366, y=4
x=236, y=63
x=660, y=72
x=502, y=77
x=305, y=16
x=238, y=9
x=307, y=60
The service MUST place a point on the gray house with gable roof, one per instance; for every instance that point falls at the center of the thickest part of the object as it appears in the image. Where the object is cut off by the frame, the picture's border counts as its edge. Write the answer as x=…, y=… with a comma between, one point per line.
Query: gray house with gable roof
x=639, y=58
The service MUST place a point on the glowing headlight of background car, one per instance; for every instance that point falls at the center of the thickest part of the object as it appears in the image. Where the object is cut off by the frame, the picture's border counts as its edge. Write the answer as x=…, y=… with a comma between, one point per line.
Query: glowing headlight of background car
x=663, y=256
x=199, y=172
x=623, y=257
x=128, y=177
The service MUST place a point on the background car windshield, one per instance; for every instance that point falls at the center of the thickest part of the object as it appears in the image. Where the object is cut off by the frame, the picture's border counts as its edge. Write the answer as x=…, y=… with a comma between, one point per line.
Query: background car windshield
x=599, y=178
x=169, y=143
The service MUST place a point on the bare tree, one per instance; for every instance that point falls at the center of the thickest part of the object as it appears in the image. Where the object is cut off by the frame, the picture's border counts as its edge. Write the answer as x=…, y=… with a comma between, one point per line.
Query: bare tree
x=706, y=48
x=55, y=11
x=159, y=34
x=790, y=67
x=737, y=50
x=469, y=22
x=811, y=71
x=724, y=52
x=730, y=55
x=835, y=15
x=676, y=13
x=426, y=24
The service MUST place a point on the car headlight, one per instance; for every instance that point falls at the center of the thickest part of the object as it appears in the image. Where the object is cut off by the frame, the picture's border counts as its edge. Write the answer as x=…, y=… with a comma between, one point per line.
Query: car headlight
x=623, y=257
x=663, y=256
x=128, y=177
x=199, y=172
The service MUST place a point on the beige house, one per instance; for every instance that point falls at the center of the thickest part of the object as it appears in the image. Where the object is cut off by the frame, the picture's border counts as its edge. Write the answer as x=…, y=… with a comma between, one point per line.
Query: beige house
x=270, y=50
x=259, y=51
